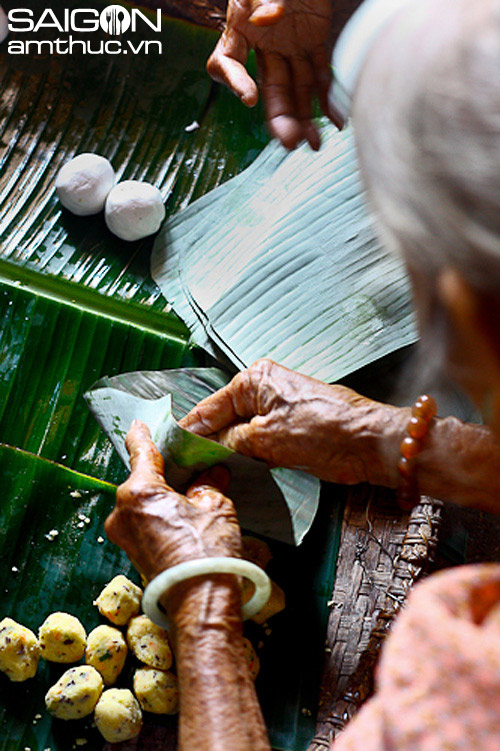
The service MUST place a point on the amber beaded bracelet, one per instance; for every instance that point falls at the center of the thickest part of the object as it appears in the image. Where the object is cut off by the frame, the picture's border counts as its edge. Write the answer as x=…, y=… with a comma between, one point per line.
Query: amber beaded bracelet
x=422, y=414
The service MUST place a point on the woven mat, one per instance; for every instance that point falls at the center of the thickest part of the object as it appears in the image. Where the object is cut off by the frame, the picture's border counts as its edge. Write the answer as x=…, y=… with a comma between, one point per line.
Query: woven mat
x=382, y=553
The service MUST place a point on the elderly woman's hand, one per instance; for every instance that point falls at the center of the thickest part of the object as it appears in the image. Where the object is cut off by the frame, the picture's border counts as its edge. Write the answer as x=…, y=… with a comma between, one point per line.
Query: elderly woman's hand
x=292, y=40
x=158, y=527
x=290, y=420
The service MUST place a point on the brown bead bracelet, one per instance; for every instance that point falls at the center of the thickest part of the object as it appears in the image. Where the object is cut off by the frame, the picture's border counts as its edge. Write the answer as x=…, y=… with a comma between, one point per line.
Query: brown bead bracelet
x=422, y=414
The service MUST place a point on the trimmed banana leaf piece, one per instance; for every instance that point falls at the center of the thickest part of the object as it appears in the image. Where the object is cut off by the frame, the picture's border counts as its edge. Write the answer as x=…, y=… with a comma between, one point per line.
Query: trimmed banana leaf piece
x=278, y=503
x=282, y=262
x=54, y=555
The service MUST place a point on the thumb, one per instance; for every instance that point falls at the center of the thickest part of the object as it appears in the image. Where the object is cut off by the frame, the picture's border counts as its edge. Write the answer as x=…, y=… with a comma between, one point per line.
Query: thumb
x=146, y=462
x=266, y=12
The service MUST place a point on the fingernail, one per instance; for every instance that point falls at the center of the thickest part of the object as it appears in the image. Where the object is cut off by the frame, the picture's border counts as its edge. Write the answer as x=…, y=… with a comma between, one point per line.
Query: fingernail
x=192, y=427
x=248, y=100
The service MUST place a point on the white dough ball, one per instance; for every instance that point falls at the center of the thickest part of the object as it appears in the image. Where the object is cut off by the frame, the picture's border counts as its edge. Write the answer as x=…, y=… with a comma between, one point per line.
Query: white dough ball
x=134, y=210
x=83, y=183
x=4, y=25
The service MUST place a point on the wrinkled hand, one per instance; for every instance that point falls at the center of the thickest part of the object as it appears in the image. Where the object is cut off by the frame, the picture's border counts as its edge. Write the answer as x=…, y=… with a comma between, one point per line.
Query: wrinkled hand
x=292, y=41
x=158, y=527
x=290, y=420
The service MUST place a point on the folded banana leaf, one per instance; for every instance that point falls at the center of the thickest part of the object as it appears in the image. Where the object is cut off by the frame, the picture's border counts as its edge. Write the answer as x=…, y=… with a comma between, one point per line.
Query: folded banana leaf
x=278, y=503
x=41, y=573
x=281, y=261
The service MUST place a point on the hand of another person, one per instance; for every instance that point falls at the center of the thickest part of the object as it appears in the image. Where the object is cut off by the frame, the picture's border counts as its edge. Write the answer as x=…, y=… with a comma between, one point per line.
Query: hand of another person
x=292, y=41
x=290, y=420
x=158, y=527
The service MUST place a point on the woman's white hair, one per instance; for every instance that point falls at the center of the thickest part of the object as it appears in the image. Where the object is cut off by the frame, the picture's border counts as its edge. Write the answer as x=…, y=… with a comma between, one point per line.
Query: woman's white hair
x=427, y=120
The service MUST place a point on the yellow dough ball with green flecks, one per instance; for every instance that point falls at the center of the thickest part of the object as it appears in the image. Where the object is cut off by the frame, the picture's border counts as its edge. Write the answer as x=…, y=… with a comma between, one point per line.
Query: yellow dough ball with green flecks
x=118, y=715
x=119, y=600
x=19, y=650
x=251, y=658
x=75, y=694
x=156, y=690
x=149, y=643
x=62, y=638
x=106, y=652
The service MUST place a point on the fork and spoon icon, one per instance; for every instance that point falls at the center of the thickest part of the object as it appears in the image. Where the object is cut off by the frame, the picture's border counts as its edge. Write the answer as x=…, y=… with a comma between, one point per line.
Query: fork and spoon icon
x=115, y=19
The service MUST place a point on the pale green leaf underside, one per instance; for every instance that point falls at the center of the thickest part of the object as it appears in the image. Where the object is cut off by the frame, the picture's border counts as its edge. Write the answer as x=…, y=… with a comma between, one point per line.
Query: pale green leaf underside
x=282, y=261
x=277, y=503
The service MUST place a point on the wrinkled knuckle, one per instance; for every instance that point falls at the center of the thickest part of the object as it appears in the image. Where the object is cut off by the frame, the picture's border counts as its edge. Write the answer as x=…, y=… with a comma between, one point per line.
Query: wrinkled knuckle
x=130, y=492
x=262, y=367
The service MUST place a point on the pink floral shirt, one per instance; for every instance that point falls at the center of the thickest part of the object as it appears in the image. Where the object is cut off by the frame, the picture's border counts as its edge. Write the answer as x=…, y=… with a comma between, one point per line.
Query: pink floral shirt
x=438, y=683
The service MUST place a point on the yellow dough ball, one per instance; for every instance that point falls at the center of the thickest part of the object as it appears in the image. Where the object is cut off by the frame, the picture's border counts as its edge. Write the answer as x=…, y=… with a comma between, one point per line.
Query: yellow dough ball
x=149, y=643
x=75, y=694
x=62, y=638
x=251, y=658
x=119, y=600
x=106, y=652
x=19, y=650
x=118, y=715
x=156, y=690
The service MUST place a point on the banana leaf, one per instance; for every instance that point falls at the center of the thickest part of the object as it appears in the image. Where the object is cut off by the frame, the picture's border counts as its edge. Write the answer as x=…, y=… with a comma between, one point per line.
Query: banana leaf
x=52, y=350
x=282, y=262
x=278, y=503
x=39, y=576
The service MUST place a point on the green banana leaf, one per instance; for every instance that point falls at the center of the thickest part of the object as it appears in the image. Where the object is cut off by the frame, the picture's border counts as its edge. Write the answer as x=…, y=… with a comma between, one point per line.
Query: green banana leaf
x=39, y=576
x=282, y=262
x=278, y=503
x=76, y=305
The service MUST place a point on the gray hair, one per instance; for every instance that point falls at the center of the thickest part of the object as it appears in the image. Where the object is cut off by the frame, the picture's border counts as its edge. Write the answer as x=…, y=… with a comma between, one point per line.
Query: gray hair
x=427, y=120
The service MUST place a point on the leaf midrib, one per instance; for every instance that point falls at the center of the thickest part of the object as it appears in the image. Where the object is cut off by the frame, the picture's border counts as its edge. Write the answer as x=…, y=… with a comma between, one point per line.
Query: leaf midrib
x=87, y=300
